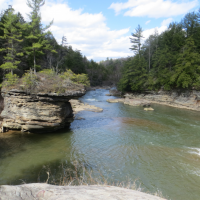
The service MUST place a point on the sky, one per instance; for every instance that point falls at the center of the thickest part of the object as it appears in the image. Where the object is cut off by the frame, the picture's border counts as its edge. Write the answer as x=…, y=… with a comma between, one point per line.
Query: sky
x=102, y=29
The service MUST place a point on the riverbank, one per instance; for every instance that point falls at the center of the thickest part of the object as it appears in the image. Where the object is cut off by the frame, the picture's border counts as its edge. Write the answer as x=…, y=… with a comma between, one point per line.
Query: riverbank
x=179, y=99
x=123, y=143
x=51, y=192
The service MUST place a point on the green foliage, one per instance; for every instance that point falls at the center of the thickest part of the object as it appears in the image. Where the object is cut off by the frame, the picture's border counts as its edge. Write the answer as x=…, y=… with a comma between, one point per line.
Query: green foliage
x=48, y=72
x=168, y=61
x=12, y=38
x=187, y=68
x=10, y=80
x=76, y=78
x=36, y=36
x=29, y=81
x=136, y=40
x=173, y=59
x=134, y=75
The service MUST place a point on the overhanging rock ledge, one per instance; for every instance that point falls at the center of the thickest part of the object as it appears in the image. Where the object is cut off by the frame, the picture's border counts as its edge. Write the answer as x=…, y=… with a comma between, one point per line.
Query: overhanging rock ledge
x=38, y=112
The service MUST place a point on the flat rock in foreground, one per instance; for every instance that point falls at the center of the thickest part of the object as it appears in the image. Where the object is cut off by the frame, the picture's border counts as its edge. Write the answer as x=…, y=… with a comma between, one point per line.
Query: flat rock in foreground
x=41, y=191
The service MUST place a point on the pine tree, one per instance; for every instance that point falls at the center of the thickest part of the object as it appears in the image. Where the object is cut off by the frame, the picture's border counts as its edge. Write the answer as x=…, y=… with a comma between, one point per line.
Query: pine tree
x=136, y=40
x=187, y=68
x=134, y=75
x=36, y=36
x=12, y=38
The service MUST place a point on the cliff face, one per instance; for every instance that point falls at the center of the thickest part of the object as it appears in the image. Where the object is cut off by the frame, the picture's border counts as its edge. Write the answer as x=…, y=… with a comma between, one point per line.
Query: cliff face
x=181, y=99
x=1, y=103
x=41, y=112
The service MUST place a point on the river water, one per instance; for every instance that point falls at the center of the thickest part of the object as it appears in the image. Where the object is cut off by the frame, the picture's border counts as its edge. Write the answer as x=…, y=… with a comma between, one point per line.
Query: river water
x=159, y=149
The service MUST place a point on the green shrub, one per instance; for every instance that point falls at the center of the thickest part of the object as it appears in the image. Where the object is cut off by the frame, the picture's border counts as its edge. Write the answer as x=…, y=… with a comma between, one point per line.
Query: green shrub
x=48, y=72
x=10, y=80
x=29, y=80
x=76, y=78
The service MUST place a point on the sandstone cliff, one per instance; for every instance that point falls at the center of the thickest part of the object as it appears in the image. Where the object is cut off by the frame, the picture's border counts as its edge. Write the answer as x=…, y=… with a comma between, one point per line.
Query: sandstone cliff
x=1, y=103
x=180, y=99
x=40, y=112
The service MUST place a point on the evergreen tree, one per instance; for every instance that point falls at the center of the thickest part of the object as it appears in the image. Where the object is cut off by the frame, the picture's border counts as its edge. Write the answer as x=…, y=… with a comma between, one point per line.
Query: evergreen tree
x=12, y=38
x=187, y=68
x=134, y=75
x=136, y=40
x=36, y=36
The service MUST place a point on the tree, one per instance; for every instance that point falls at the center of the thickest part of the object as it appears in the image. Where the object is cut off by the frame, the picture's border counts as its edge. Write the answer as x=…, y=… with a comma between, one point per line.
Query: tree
x=187, y=68
x=36, y=36
x=134, y=75
x=62, y=51
x=12, y=38
x=136, y=40
x=190, y=23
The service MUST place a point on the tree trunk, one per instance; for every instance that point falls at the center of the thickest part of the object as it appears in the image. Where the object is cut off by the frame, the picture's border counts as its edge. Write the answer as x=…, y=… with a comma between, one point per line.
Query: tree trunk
x=34, y=63
x=149, y=55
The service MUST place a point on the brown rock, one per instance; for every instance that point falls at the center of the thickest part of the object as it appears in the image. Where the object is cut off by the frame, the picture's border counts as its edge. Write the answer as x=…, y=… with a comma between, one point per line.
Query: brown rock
x=78, y=106
x=180, y=99
x=37, y=112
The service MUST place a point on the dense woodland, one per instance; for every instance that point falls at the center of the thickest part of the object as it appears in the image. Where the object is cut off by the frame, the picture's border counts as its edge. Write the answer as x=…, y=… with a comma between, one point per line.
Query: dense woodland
x=170, y=60
x=167, y=61
x=29, y=47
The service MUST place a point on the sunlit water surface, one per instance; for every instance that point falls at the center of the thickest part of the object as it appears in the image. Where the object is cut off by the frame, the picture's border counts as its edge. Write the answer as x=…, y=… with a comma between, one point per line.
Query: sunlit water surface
x=160, y=149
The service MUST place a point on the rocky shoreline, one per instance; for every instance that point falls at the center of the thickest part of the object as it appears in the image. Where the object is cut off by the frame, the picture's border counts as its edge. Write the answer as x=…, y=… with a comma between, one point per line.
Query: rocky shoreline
x=179, y=99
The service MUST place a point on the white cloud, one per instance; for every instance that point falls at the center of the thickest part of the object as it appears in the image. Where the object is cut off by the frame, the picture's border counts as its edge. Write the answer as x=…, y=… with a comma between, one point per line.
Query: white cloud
x=84, y=31
x=153, y=8
x=151, y=31
x=147, y=22
x=159, y=30
x=166, y=22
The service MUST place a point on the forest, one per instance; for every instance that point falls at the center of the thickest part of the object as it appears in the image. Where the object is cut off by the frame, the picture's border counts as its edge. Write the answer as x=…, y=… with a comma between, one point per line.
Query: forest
x=170, y=60
x=29, y=47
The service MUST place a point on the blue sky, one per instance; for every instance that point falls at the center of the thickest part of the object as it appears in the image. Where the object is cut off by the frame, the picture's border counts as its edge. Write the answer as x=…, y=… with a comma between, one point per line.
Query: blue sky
x=101, y=29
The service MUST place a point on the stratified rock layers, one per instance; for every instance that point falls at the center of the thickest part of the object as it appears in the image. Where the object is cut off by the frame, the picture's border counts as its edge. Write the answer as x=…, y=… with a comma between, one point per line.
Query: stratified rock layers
x=189, y=99
x=37, y=112
x=1, y=103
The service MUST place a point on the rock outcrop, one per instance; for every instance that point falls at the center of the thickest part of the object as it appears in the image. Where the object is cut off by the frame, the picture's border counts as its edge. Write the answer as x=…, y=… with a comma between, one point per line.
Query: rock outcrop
x=189, y=99
x=131, y=102
x=41, y=191
x=1, y=103
x=41, y=112
x=78, y=106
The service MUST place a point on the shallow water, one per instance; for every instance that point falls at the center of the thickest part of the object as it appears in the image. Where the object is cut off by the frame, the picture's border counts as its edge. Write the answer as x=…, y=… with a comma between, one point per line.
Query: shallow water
x=160, y=148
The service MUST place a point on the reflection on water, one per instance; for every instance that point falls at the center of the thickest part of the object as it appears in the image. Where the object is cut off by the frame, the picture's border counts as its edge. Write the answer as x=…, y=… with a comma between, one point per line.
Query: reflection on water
x=161, y=148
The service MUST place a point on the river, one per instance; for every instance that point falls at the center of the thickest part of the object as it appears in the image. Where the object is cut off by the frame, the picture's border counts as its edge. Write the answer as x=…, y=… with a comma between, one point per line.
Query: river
x=159, y=149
